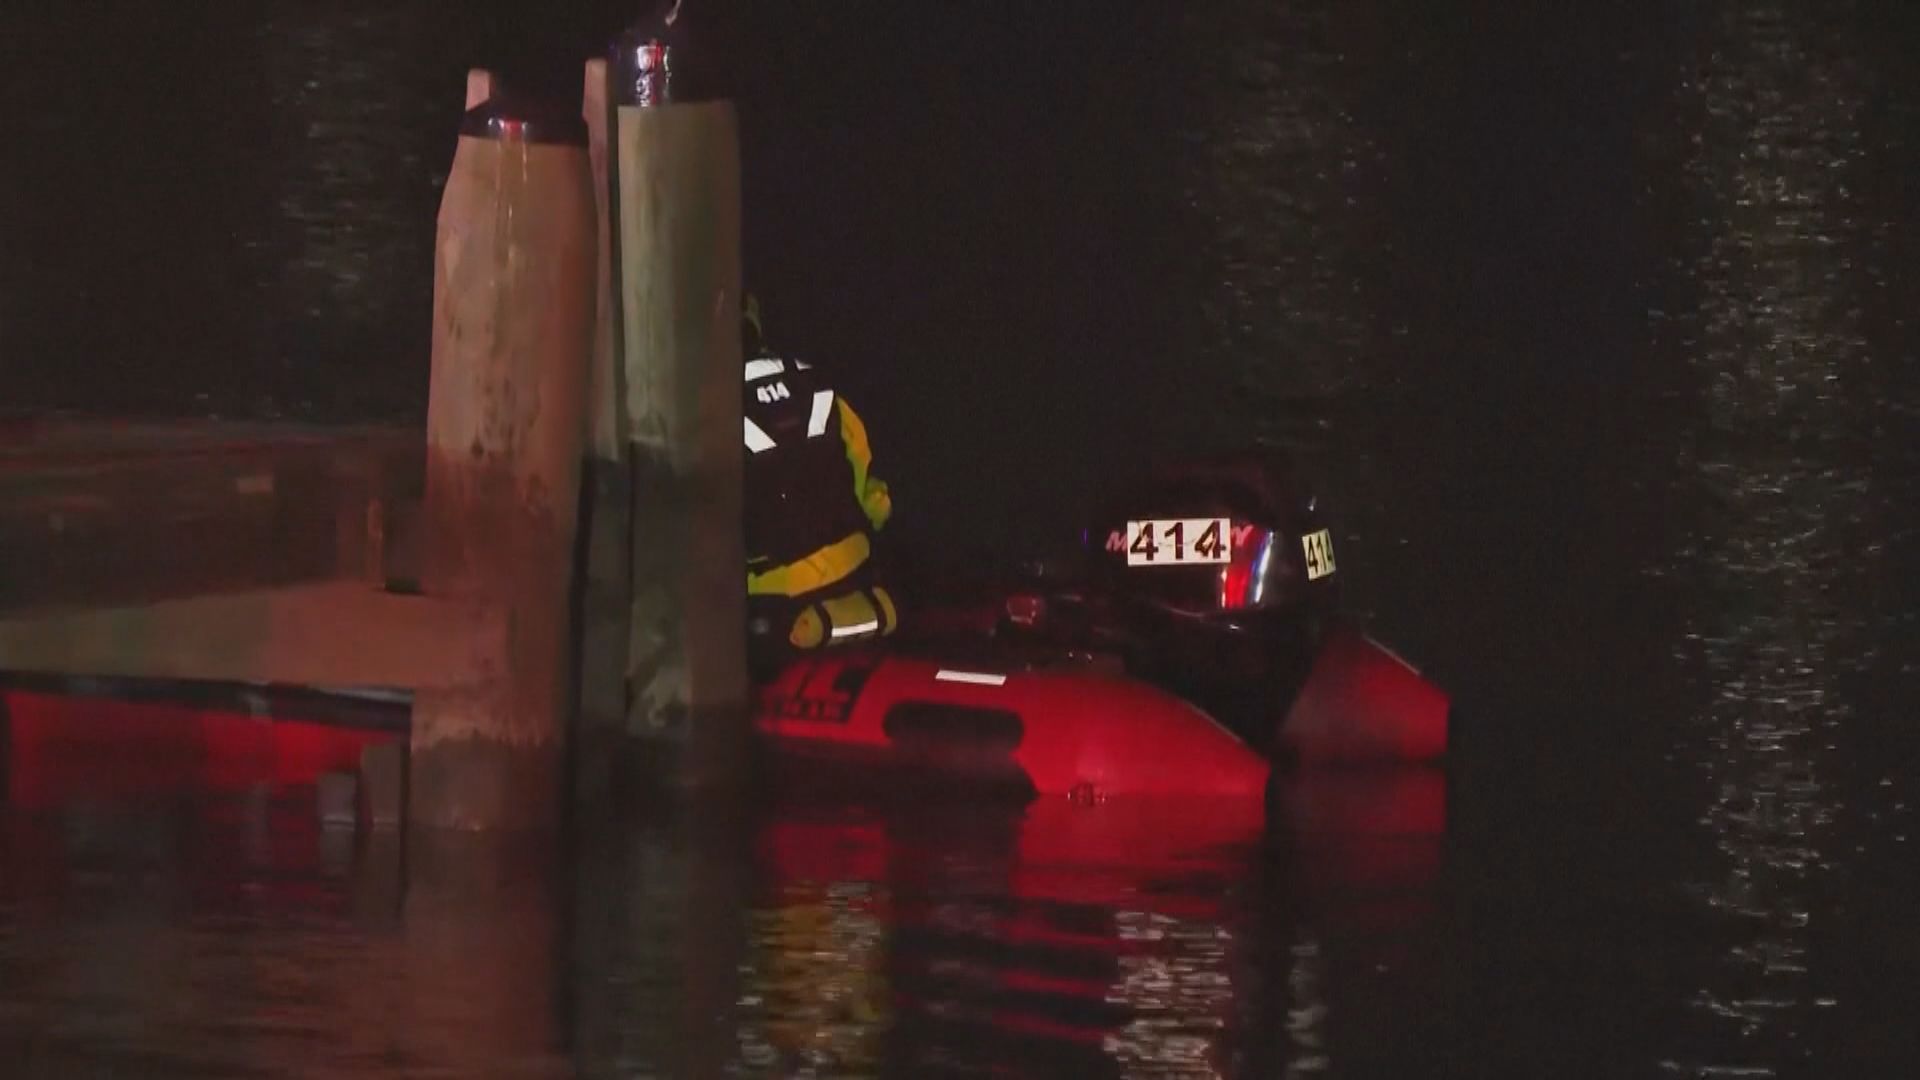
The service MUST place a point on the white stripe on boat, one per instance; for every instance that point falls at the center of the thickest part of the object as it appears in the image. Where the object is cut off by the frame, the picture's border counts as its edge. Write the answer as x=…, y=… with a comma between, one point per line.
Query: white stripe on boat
x=975, y=678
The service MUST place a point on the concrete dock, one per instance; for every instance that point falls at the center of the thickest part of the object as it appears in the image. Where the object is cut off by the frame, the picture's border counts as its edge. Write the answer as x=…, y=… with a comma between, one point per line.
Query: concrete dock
x=223, y=551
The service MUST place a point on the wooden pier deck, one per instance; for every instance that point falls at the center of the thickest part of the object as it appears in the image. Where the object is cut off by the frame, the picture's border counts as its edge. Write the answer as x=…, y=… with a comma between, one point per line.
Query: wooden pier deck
x=239, y=552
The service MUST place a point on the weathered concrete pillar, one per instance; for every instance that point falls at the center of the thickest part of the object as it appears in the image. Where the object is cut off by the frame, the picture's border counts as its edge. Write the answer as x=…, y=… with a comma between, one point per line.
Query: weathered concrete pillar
x=512, y=326
x=480, y=85
x=607, y=424
x=606, y=596
x=675, y=169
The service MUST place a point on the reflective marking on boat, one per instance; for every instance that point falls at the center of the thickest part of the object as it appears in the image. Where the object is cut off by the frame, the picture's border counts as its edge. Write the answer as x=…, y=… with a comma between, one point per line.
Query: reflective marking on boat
x=975, y=678
x=764, y=369
x=1401, y=660
x=857, y=628
x=1260, y=568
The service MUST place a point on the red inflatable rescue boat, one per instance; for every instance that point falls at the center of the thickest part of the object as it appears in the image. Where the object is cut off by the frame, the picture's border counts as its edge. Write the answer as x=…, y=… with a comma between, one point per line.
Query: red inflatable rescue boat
x=1079, y=733
x=1190, y=638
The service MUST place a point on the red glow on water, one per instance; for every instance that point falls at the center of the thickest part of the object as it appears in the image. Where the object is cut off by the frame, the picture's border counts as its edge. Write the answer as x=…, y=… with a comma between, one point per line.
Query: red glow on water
x=65, y=748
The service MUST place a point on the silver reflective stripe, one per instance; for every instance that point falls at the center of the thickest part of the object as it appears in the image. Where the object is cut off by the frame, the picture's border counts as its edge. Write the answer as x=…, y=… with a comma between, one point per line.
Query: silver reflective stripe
x=822, y=408
x=764, y=368
x=857, y=628
x=757, y=440
x=975, y=678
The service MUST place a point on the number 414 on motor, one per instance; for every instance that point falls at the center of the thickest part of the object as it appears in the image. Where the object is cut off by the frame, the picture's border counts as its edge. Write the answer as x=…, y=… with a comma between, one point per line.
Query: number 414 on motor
x=1187, y=541
x=1178, y=542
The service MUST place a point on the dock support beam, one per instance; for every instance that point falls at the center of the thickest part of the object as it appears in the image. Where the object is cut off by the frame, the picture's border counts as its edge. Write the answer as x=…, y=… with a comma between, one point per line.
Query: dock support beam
x=674, y=169
x=606, y=593
x=512, y=326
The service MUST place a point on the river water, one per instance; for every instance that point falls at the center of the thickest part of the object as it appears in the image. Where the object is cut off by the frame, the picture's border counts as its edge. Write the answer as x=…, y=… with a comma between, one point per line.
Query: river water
x=1593, y=329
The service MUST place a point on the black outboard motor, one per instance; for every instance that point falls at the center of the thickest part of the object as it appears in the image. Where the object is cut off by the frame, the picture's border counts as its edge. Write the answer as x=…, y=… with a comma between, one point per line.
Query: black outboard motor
x=1231, y=540
x=1218, y=580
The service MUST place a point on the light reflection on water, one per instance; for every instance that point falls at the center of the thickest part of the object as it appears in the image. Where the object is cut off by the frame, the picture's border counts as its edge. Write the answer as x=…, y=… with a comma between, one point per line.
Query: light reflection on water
x=829, y=940
x=1277, y=162
x=156, y=939
x=350, y=169
x=1781, y=559
x=1285, y=235
x=971, y=941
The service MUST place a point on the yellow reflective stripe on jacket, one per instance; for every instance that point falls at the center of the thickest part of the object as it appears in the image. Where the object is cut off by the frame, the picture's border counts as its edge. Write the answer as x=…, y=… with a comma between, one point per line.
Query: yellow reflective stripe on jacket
x=871, y=492
x=816, y=571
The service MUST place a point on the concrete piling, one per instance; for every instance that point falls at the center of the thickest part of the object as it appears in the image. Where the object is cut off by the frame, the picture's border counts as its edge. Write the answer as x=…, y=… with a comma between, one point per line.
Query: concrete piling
x=480, y=83
x=606, y=381
x=606, y=588
x=583, y=413
x=674, y=178
x=512, y=329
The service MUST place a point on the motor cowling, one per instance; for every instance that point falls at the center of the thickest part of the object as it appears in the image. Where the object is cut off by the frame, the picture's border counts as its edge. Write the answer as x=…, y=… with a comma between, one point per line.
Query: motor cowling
x=1217, y=539
x=1217, y=579
x=1253, y=633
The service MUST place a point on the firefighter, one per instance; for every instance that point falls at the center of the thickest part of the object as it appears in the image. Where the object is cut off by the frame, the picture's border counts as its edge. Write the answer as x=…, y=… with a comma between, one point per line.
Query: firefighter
x=813, y=507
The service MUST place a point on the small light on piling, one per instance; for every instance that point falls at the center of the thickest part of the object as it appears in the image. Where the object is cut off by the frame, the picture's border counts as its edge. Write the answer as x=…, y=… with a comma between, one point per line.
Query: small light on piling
x=643, y=66
x=649, y=62
x=510, y=117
